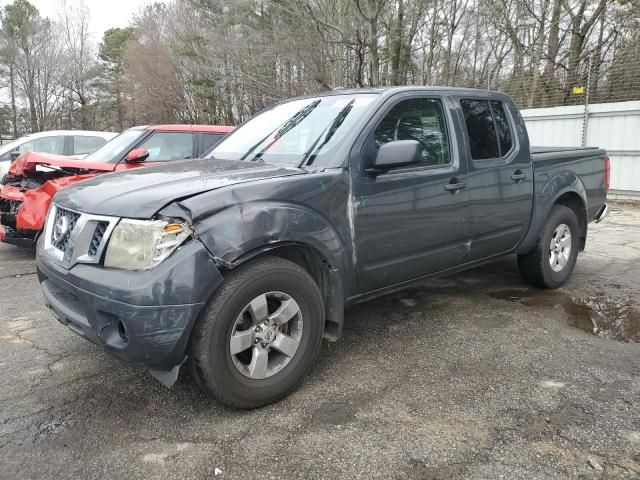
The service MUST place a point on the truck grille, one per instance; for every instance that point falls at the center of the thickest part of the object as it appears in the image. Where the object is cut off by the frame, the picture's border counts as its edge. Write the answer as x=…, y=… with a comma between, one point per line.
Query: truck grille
x=63, y=224
x=97, y=237
x=73, y=237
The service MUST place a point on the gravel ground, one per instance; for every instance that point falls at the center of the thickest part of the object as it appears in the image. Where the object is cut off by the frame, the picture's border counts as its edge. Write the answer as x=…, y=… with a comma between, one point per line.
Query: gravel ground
x=472, y=376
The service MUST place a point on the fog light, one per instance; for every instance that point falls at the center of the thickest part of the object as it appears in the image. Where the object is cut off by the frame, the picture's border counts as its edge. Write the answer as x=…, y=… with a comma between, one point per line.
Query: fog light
x=122, y=331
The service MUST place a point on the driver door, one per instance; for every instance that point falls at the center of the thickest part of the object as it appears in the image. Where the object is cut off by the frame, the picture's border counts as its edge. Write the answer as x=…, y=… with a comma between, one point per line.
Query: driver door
x=407, y=224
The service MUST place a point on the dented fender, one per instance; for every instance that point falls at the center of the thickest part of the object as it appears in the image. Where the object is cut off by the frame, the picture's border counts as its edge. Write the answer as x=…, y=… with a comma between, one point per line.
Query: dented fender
x=236, y=224
x=239, y=230
x=242, y=232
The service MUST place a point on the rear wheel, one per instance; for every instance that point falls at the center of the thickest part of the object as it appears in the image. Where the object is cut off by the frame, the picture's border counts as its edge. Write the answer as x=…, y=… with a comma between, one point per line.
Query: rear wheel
x=259, y=334
x=552, y=260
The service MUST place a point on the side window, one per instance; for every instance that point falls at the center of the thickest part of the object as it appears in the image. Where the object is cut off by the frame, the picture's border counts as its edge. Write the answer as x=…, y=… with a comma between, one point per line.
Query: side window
x=481, y=129
x=44, y=145
x=504, y=132
x=420, y=119
x=83, y=145
x=165, y=146
x=210, y=139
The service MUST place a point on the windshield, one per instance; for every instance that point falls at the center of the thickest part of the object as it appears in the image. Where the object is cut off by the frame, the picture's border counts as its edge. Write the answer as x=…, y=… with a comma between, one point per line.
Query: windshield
x=114, y=149
x=295, y=131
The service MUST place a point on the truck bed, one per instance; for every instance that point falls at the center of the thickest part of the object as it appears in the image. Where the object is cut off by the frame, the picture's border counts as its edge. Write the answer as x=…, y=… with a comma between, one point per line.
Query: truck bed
x=582, y=166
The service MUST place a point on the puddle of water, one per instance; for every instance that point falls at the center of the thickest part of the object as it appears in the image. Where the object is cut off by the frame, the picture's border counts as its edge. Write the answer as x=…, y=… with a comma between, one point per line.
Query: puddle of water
x=600, y=316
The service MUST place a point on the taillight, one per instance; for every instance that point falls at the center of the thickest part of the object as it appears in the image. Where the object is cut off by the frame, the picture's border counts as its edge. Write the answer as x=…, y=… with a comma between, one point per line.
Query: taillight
x=607, y=173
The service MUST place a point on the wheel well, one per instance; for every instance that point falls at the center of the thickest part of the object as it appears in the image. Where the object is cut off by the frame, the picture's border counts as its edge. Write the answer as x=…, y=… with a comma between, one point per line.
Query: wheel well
x=575, y=203
x=326, y=277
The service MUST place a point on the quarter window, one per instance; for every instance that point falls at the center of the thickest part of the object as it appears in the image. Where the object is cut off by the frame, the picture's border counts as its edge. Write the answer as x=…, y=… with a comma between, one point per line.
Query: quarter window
x=487, y=128
x=420, y=119
x=504, y=133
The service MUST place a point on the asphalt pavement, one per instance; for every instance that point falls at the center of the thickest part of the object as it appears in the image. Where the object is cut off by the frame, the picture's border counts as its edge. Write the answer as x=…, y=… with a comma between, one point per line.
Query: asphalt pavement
x=471, y=376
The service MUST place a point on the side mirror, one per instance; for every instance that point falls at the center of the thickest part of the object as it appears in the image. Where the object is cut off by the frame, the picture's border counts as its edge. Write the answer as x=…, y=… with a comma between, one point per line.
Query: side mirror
x=137, y=155
x=398, y=153
x=14, y=155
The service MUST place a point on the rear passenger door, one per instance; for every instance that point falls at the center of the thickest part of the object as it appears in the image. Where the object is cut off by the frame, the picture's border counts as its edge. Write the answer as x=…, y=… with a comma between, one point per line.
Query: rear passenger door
x=500, y=175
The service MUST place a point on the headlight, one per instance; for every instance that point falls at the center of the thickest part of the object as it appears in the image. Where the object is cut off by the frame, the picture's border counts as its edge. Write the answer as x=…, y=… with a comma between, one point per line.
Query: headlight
x=143, y=244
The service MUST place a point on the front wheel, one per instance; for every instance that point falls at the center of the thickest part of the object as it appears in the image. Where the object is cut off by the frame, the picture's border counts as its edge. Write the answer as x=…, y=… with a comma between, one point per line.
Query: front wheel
x=259, y=334
x=551, y=262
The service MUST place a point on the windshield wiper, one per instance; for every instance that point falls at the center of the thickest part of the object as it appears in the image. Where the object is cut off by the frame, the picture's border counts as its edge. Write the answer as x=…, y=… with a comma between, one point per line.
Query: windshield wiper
x=291, y=122
x=331, y=130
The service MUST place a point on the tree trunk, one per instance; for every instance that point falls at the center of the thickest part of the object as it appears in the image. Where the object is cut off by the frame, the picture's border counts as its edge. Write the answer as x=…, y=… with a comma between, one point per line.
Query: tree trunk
x=396, y=49
x=375, y=55
x=553, y=47
x=14, y=111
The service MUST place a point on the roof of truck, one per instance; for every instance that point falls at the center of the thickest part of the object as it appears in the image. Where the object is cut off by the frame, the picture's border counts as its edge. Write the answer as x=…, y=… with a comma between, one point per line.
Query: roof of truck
x=389, y=91
x=404, y=88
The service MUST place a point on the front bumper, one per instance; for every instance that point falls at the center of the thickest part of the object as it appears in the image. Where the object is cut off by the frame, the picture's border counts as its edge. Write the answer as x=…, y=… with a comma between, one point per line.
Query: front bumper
x=9, y=231
x=144, y=318
x=21, y=238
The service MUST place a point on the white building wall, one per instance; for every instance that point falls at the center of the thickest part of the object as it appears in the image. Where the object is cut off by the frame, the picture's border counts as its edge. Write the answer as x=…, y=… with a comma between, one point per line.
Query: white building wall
x=613, y=126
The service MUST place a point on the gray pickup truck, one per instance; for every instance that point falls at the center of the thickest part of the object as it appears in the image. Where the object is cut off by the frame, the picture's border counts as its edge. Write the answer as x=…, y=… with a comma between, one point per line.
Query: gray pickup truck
x=238, y=266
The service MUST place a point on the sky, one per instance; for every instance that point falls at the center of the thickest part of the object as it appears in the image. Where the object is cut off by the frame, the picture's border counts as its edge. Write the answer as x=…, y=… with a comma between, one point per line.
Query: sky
x=104, y=14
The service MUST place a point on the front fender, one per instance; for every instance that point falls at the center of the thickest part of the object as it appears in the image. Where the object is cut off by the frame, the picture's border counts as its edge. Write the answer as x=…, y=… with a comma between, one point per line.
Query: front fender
x=548, y=190
x=235, y=232
x=242, y=231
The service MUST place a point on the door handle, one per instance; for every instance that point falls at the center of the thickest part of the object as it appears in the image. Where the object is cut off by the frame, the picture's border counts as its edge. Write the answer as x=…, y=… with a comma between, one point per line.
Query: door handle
x=518, y=176
x=454, y=186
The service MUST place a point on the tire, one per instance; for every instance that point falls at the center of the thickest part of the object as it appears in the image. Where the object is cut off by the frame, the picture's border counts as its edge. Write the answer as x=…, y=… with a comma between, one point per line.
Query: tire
x=236, y=380
x=536, y=266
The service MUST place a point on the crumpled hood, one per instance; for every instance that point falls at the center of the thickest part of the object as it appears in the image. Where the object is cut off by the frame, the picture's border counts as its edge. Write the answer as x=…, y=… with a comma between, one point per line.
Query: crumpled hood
x=141, y=192
x=27, y=163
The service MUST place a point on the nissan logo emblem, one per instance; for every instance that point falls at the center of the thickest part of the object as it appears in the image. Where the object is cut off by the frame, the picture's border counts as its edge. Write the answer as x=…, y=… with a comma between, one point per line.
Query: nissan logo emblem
x=60, y=228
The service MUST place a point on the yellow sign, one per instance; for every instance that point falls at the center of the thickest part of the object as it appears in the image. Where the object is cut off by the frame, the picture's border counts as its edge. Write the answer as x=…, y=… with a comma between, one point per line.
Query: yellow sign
x=579, y=90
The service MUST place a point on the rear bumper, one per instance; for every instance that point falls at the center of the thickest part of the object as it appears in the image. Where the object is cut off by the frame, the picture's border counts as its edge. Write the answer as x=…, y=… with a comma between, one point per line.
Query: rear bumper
x=143, y=318
x=602, y=213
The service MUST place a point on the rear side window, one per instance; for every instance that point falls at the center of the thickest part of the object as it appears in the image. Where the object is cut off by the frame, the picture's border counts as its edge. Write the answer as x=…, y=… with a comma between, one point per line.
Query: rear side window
x=83, y=145
x=483, y=139
x=488, y=129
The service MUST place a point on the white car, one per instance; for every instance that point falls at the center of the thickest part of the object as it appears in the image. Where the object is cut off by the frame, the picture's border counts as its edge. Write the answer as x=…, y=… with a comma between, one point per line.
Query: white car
x=72, y=143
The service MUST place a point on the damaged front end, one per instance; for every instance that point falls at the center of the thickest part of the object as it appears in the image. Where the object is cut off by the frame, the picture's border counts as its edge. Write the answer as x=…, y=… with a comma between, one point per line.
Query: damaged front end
x=9, y=233
x=27, y=194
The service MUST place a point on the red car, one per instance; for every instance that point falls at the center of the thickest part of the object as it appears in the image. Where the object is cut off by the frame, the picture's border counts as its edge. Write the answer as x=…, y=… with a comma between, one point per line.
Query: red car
x=34, y=178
